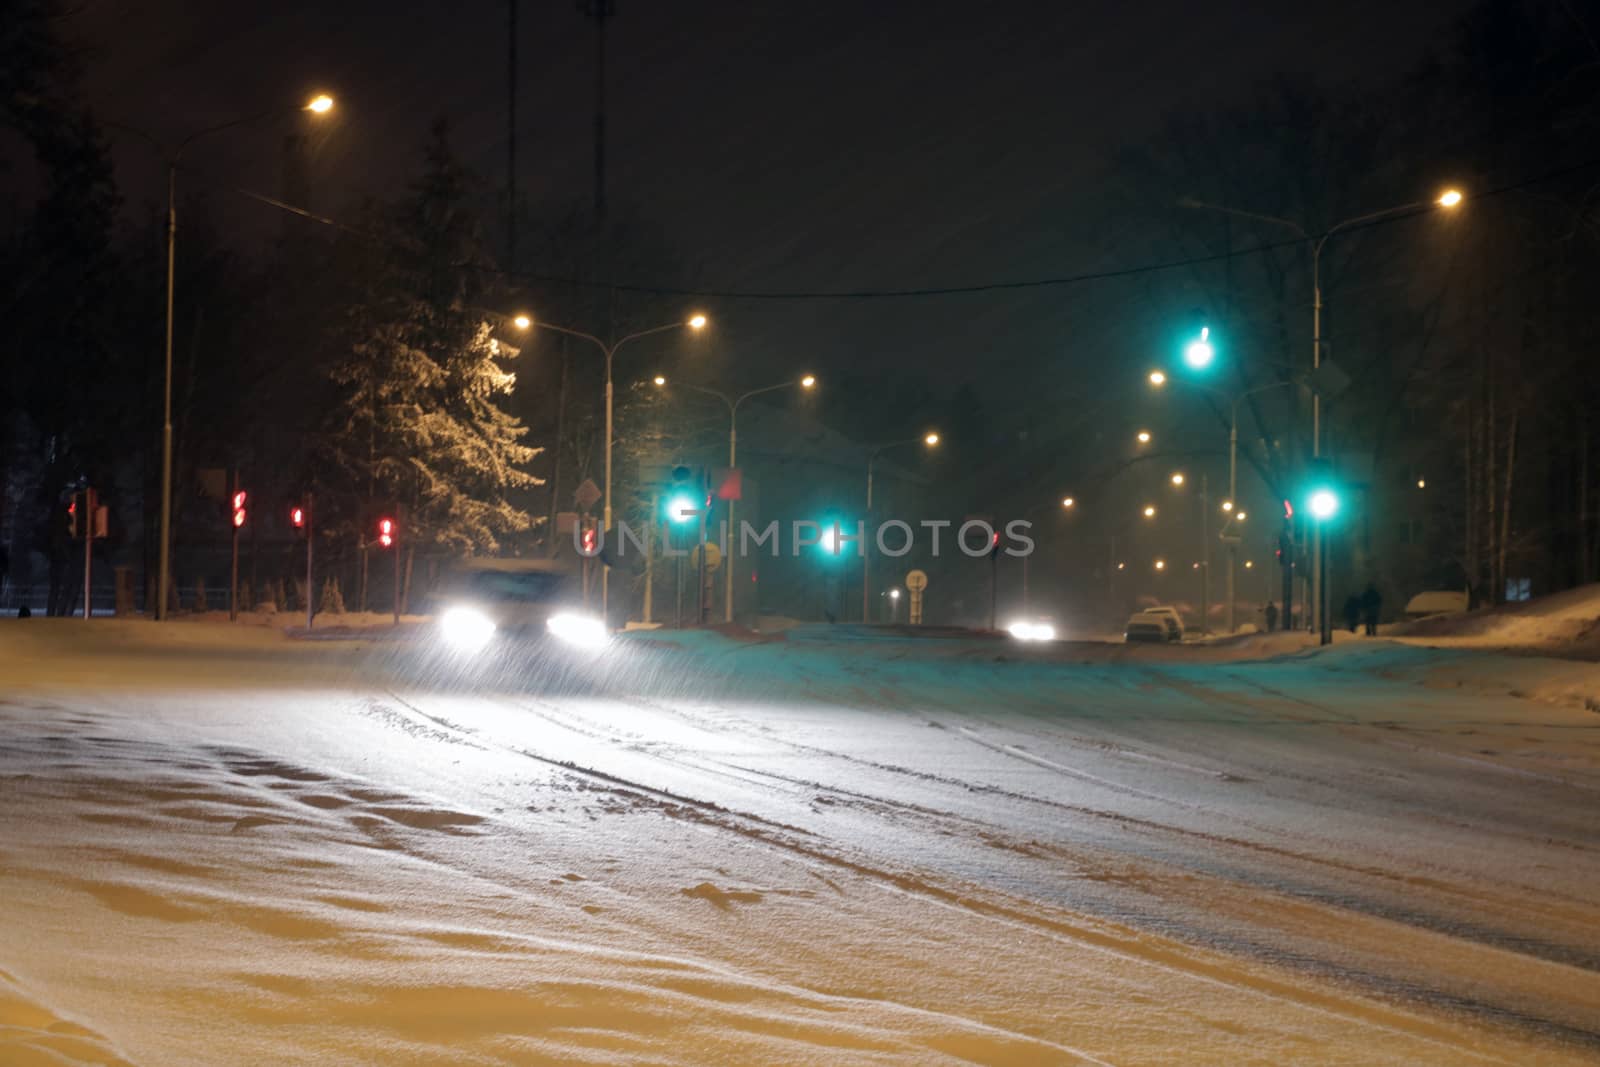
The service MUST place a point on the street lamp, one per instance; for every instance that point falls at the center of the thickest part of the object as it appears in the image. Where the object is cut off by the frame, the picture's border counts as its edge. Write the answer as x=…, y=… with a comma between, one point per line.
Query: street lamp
x=1177, y=477
x=1068, y=502
x=695, y=322
x=319, y=105
x=1448, y=200
x=1149, y=511
x=1157, y=379
x=928, y=440
x=1144, y=437
x=807, y=382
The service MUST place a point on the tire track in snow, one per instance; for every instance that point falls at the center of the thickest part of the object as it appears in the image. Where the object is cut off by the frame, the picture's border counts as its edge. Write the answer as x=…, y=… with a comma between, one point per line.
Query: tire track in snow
x=1121, y=942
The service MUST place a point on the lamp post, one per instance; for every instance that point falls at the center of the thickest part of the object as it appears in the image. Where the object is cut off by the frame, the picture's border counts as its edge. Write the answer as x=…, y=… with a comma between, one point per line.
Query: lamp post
x=528, y=322
x=929, y=439
x=809, y=381
x=1158, y=379
x=1450, y=198
x=317, y=105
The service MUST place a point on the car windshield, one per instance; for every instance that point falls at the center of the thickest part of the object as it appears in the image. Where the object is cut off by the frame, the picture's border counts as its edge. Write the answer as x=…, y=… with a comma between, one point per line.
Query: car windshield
x=514, y=586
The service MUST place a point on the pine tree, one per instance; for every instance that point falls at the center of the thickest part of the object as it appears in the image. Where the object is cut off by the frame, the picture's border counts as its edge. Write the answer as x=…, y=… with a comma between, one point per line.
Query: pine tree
x=418, y=421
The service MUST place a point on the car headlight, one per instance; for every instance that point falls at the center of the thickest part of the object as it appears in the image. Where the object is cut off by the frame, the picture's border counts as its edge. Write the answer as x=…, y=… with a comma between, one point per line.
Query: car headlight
x=1032, y=631
x=585, y=631
x=466, y=629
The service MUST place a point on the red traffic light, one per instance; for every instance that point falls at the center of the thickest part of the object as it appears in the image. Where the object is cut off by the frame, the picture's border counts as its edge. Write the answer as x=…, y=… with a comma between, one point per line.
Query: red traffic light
x=591, y=541
x=297, y=516
x=72, y=517
x=386, y=533
x=238, y=508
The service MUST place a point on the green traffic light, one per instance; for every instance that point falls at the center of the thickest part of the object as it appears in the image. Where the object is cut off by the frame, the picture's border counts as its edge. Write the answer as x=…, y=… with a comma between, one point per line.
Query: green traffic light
x=1323, y=504
x=683, y=508
x=1199, y=354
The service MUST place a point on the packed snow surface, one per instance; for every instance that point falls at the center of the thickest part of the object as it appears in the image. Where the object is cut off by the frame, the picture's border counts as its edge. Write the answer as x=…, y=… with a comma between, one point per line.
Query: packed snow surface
x=225, y=846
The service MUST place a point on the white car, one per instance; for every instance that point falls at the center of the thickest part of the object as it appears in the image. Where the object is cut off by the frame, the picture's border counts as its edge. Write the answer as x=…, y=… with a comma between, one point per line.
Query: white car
x=484, y=600
x=1156, y=624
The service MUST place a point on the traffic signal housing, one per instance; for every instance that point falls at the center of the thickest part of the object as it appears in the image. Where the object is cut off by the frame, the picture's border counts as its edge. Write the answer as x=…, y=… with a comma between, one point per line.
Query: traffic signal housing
x=239, y=513
x=386, y=532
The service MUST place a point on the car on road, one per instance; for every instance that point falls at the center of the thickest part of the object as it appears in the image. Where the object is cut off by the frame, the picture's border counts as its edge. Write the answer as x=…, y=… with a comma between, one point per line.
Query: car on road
x=480, y=600
x=1154, y=624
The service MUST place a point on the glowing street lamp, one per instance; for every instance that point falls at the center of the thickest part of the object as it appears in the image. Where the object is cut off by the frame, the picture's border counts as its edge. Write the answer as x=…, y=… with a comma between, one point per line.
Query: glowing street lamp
x=1157, y=379
x=522, y=322
x=1149, y=511
x=1449, y=198
x=1227, y=505
x=1177, y=478
x=930, y=440
x=1144, y=437
x=660, y=380
x=697, y=322
x=808, y=382
x=1161, y=564
x=1199, y=353
x=319, y=105
x=1068, y=502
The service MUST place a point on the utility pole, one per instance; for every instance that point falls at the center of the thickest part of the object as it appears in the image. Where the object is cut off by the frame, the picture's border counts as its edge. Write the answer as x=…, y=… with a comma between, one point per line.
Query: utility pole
x=511, y=135
x=599, y=10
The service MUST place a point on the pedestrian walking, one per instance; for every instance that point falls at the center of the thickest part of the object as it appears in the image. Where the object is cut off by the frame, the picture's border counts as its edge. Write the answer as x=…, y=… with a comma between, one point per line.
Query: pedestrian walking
x=1371, y=605
x=1352, y=611
x=1272, y=616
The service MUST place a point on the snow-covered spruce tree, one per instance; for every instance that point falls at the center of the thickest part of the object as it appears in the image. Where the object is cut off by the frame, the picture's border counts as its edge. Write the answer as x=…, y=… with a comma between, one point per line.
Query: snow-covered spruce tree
x=418, y=421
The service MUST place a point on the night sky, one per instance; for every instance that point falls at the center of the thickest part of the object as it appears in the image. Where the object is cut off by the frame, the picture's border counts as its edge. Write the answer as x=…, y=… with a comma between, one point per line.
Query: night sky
x=824, y=145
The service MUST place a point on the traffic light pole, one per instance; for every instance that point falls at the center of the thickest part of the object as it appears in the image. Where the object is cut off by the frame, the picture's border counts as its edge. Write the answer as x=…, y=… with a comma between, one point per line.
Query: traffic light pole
x=311, y=538
x=233, y=576
x=396, y=548
x=88, y=546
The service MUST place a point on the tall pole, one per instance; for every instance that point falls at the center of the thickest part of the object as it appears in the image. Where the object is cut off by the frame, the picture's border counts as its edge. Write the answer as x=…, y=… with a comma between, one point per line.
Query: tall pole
x=511, y=134
x=164, y=569
x=1318, y=592
x=727, y=555
x=650, y=557
x=1233, y=498
x=605, y=572
x=89, y=507
x=1205, y=555
x=233, y=576
x=311, y=537
x=866, y=554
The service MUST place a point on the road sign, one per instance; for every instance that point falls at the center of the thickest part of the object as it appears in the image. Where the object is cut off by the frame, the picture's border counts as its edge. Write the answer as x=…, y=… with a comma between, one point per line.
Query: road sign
x=916, y=581
x=728, y=483
x=587, y=495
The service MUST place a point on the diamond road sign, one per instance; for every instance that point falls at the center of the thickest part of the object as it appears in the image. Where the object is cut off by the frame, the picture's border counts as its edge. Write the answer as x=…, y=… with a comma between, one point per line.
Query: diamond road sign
x=588, y=494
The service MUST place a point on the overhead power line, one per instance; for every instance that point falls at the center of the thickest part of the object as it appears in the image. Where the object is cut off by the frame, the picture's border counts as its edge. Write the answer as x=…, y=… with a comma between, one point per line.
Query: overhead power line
x=1047, y=282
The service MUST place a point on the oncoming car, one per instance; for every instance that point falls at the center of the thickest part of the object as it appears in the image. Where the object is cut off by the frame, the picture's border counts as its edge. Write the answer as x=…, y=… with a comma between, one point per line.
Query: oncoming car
x=484, y=600
x=1156, y=624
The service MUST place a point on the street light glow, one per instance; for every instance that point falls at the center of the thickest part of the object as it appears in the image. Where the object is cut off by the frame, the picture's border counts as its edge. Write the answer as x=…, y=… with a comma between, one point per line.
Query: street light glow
x=1324, y=504
x=1149, y=511
x=523, y=322
x=1199, y=353
x=1161, y=564
x=1422, y=483
x=1241, y=516
x=1227, y=505
x=1249, y=563
x=1157, y=378
x=1068, y=502
x=894, y=594
x=697, y=322
x=1449, y=198
x=931, y=440
x=660, y=380
x=321, y=103
x=1122, y=566
x=808, y=381
x=1177, y=477
x=1144, y=437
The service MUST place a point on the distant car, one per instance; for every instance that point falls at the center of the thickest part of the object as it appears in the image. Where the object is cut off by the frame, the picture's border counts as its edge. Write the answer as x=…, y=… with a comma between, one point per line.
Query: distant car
x=1034, y=628
x=480, y=600
x=1171, y=615
x=1153, y=626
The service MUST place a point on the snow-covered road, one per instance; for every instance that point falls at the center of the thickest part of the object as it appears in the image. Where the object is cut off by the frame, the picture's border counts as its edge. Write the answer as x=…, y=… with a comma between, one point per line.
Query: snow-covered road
x=832, y=848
